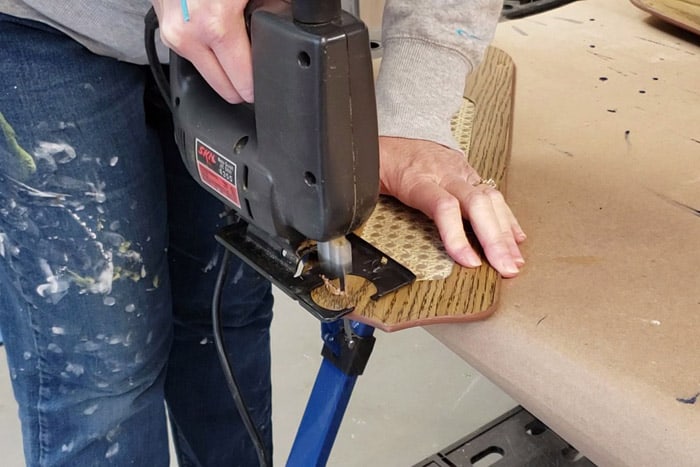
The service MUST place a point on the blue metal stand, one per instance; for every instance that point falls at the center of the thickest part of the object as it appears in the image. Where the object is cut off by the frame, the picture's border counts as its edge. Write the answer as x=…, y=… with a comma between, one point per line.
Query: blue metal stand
x=347, y=347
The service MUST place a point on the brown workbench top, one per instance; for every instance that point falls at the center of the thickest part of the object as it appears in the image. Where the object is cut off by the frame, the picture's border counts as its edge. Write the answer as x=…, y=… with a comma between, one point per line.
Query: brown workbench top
x=600, y=334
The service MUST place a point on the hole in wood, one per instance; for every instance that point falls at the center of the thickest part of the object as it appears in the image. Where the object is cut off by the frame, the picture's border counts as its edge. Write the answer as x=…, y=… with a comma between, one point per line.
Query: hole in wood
x=356, y=288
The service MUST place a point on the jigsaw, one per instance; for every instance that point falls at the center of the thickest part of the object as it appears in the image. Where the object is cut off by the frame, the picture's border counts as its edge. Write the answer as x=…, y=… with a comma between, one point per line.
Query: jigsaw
x=300, y=166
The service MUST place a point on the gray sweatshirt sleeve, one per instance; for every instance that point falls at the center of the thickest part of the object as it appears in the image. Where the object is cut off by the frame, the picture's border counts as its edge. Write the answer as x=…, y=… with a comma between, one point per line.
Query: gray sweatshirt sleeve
x=429, y=49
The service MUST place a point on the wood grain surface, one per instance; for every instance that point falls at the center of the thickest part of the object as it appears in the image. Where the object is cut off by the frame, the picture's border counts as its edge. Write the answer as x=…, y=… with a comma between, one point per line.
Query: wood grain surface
x=682, y=13
x=467, y=294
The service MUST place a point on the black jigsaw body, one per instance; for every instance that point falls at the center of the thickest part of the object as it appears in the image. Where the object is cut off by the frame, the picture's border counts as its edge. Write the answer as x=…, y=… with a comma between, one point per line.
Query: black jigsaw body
x=301, y=164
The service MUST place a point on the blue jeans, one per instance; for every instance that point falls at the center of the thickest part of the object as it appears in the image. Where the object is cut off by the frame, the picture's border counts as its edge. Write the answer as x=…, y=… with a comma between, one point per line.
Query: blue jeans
x=107, y=265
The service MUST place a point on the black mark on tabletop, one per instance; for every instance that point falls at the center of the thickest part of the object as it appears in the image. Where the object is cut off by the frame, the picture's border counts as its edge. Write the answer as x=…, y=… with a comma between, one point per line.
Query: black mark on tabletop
x=689, y=400
x=519, y=31
x=569, y=20
x=678, y=204
x=604, y=57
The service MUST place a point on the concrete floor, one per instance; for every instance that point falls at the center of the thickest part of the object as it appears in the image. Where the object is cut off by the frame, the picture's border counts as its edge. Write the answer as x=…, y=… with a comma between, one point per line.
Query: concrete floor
x=415, y=397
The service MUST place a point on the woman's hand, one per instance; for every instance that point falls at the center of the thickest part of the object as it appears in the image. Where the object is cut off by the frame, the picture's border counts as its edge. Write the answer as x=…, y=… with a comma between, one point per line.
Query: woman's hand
x=439, y=182
x=214, y=39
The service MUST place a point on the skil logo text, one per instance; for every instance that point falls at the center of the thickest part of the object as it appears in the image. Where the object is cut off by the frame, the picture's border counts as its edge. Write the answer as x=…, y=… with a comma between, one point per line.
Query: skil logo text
x=207, y=154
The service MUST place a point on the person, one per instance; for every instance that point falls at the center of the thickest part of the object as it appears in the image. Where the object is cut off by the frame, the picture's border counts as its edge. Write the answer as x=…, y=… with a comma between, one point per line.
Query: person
x=107, y=256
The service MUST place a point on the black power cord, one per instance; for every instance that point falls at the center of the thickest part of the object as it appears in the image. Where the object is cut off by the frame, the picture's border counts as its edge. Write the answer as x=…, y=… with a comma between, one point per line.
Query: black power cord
x=151, y=25
x=253, y=432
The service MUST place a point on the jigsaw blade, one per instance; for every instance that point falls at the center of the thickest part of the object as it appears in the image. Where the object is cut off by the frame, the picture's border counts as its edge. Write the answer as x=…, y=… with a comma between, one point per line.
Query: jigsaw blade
x=335, y=257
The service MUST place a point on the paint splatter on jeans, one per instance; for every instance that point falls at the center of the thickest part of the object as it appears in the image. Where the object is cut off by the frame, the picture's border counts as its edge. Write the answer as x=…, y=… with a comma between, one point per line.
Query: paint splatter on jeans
x=105, y=283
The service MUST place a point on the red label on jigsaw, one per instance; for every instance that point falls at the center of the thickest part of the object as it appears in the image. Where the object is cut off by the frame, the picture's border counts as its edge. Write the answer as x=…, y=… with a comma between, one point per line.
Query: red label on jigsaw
x=217, y=172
